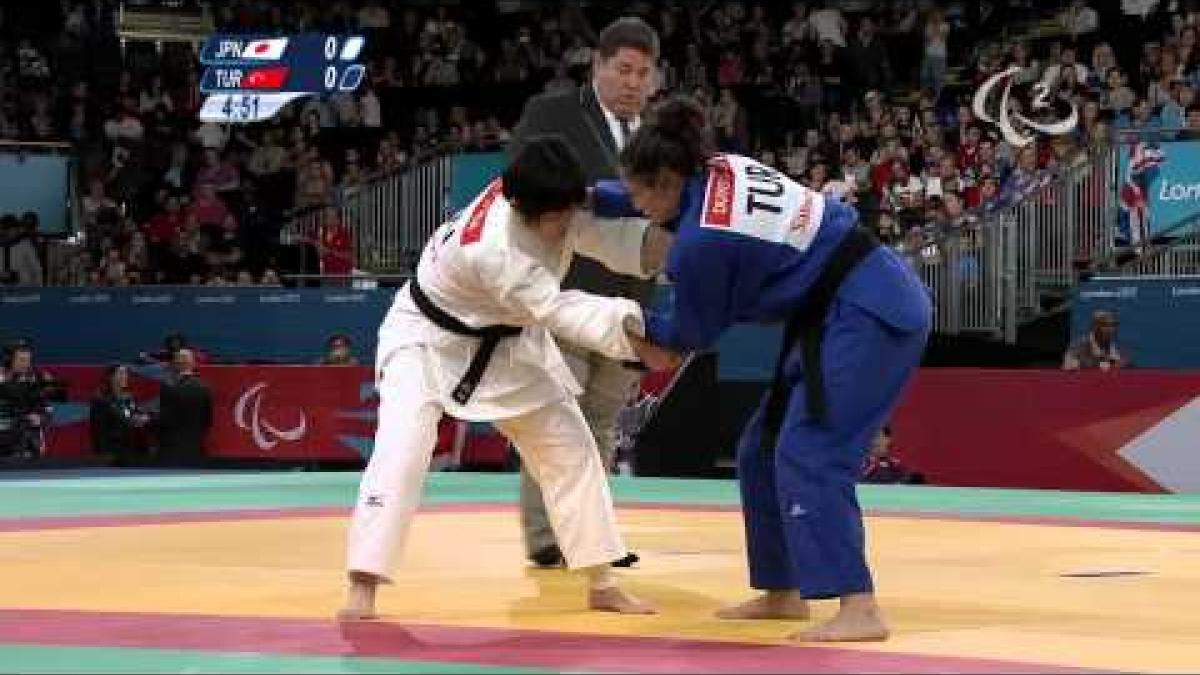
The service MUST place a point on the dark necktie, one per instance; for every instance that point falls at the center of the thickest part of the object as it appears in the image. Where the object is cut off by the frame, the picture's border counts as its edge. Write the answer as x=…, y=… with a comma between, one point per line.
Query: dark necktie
x=624, y=139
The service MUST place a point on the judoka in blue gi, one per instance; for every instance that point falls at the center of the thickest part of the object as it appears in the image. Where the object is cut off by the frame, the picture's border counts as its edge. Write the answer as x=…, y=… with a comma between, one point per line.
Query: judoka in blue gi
x=753, y=246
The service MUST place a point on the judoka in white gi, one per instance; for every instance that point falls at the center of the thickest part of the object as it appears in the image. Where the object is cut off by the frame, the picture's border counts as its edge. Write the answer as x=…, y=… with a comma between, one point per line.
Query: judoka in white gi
x=489, y=280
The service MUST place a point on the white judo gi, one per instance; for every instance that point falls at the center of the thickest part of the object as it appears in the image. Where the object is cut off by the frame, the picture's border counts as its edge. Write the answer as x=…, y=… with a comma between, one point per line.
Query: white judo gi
x=487, y=268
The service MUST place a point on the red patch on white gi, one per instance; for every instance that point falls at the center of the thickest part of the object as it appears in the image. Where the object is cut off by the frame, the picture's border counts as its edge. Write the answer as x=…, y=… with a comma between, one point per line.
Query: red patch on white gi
x=718, y=209
x=474, y=229
x=802, y=219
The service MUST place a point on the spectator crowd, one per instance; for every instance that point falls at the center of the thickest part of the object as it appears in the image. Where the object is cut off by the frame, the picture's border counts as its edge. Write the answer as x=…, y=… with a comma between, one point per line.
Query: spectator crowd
x=868, y=101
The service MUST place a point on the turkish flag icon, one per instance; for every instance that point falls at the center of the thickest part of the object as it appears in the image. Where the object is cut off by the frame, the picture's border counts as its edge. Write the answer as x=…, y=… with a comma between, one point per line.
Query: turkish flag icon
x=266, y=78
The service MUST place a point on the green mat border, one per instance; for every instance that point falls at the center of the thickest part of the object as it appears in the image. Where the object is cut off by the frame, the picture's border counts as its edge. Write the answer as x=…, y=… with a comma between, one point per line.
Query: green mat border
x=19, y=658
x=111, y=496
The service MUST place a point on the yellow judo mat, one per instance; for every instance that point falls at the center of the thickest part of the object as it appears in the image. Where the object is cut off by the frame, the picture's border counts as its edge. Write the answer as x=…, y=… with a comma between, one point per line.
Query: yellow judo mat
x=242, y=573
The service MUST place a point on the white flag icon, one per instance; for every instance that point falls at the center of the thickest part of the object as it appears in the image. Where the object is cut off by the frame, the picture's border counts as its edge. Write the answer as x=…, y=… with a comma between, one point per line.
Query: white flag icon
x=264, y=50
x=352, y=48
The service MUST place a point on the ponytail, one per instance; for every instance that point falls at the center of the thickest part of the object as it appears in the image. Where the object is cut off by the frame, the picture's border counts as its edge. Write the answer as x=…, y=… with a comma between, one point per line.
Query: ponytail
x=675, y=137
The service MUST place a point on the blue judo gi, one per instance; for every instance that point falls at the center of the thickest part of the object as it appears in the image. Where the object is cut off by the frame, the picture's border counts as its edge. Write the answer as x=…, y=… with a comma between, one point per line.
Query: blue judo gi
x=803, y=523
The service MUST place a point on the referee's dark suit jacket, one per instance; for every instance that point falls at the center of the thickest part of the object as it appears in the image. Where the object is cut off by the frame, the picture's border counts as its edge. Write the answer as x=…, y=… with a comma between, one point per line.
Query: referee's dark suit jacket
x=185, y=418
x=575, y=114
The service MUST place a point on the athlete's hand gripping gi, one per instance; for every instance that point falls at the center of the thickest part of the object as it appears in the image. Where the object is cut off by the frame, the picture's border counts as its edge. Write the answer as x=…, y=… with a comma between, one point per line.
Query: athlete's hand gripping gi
x=472, y=336
x=752, y=245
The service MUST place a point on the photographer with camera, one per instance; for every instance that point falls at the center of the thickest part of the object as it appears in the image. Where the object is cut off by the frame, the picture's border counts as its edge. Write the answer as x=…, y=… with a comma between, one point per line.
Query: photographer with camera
x=25, y=395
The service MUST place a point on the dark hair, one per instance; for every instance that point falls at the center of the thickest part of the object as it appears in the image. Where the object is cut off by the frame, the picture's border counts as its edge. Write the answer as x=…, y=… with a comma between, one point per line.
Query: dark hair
x=628, y=32
x=106, y=386
x=674, y=137
x=16, y=347
x=545, y=175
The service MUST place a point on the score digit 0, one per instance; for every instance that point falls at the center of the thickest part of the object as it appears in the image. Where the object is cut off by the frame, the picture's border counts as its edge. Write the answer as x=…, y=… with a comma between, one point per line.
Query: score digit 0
x=331, y=51
x=331, y=76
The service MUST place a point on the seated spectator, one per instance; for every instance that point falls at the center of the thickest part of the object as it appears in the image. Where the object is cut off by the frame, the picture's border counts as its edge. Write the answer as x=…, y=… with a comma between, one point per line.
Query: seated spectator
x=946, y=179
x=1055, y=72
x=314, y=182
x=95, y=202
x=164, y=227
x=20, y=261
x=988, y=195
x=177, y=174
x=818, y=174
x=902, y=185
x=185, y=259
x=880, y=467
x=224, y=248
x=211, y=135
x=116, y=420
x=951, y=217
x=909, y=210
x=210, y=210
x=855, y=170
x=219, y=172
x=1117, y=97
x=339, y=353
x=270, y=277
x=1079, y=20
x=1098, y=349
x=1025, y=178
x=1174, y=111
x=1142, y=118
x=124, y=128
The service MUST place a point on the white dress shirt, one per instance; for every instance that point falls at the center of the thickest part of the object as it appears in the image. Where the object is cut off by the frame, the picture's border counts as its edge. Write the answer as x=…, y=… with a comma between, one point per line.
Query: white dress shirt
x=614, y=123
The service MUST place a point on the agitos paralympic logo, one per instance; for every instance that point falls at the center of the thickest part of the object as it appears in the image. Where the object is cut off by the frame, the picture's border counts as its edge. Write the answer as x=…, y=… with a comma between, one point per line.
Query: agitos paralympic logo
x=1014, y=127
x=247, y=414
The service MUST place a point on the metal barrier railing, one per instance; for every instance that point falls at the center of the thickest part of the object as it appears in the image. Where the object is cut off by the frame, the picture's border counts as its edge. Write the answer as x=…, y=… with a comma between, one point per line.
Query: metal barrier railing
x=389, y=218
x=985, y=278
x=1174, y=252
x=993, y=272
x=988, y=276
x=970, y=274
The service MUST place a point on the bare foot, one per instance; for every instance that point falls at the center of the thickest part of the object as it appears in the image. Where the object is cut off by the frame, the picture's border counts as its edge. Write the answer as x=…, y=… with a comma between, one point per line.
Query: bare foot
x=858, y=620
x=360, y=598
x=616, y=600
x=355, y=614
x=784, y=605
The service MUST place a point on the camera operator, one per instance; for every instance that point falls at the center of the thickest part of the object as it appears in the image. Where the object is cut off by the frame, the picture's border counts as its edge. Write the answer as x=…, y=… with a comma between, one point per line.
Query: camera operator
x=25, y=396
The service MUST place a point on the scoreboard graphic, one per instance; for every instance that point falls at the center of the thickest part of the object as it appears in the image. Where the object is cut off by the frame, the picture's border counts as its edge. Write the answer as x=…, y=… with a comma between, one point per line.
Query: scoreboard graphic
x=251, y=78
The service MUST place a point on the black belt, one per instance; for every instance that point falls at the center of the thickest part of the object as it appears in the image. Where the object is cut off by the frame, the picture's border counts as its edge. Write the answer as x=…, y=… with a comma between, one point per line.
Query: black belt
x=807, y=326
x=490, y=337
